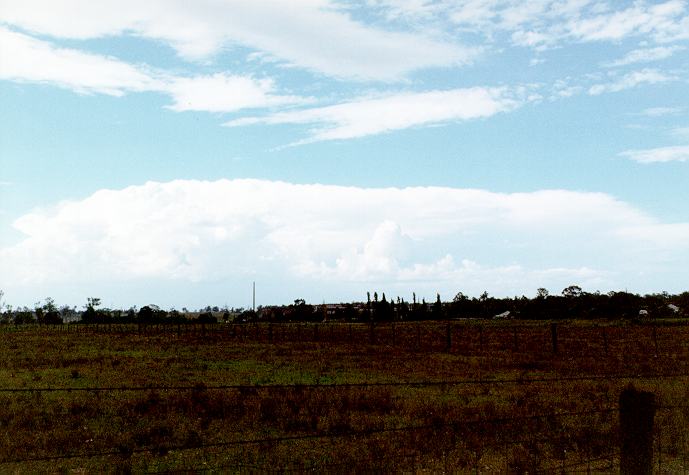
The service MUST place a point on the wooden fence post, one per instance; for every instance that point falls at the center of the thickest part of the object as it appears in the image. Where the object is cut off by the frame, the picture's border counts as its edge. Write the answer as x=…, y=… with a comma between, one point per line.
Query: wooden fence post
x=553, y=336
x=448, y=338
x=655, y=339
x=515, y=342
x=637, y=410
x=605, y=339
x=371, y=334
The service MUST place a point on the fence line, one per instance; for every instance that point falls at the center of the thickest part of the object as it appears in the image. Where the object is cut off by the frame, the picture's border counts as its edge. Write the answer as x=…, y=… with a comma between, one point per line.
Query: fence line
x=246, y=387
x=125, y=451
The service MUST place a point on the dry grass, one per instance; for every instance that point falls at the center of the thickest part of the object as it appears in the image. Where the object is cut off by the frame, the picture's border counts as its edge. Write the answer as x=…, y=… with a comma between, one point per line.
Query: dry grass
x=145, y=429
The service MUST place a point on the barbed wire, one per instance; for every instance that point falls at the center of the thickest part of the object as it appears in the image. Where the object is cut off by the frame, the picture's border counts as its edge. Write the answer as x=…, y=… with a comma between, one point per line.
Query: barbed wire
x=300, y=386
x=607, y=457
x=127, y=451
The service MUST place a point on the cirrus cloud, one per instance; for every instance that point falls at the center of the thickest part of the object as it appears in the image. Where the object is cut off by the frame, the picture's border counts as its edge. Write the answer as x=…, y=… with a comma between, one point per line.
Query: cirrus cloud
x=376, y=115
x=26, y=59
x=312, y=34
x=678, y=153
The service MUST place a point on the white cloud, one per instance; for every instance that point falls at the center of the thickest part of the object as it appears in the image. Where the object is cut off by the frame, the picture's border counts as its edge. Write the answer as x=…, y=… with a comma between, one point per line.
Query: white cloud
x=311, y=34
x=663, y=154
x=631, y=80
x=377, y=115
x=661, y=111
x=682, y=132
x=645, y=55
x=225, y=93
x=26, y=59
x=319, y=235
x=546, y=23
x=23, y=58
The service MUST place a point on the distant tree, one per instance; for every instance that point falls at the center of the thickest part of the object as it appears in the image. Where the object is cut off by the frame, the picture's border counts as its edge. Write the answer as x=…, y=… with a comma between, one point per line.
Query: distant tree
x=460, y=297
x=207, y=317
x=437, y=308
x=90, y=314
x=572, y=291
x=24, y=315
x=51, y=315
x=542, y=293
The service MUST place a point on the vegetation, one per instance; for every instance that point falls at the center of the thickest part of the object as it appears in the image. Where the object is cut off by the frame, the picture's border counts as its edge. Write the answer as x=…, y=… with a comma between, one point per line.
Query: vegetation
x=573, y=303
x=403, y=427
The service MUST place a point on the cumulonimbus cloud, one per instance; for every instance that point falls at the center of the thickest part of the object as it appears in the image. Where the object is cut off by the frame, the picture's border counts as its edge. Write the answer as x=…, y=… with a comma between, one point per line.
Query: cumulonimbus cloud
x=196, y=231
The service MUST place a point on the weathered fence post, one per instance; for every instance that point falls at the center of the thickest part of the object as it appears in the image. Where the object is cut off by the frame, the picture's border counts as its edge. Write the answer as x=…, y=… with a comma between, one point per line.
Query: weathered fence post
x=605, y=339
x=655, y=339
x=371, y=334
x=637, y=410
x=553, y=336
x=480, y=338
x=448, y=338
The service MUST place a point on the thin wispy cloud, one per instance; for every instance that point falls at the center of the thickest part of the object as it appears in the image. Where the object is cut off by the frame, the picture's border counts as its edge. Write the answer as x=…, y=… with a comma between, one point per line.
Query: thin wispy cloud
x=661, y=111
x=378, y=115
x=645, y=55
x=313, y=35
x=26, y=59
x=678, y=153
x=632, y=80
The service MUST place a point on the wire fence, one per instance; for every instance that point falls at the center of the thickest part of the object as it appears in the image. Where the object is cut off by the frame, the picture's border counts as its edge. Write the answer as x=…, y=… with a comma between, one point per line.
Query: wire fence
x=555, y=440
x=670, y=455
x=411, y=384
x=579, y=339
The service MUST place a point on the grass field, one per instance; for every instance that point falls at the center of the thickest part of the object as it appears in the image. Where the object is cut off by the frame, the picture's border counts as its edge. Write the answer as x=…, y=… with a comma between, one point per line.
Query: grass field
x=493, y=397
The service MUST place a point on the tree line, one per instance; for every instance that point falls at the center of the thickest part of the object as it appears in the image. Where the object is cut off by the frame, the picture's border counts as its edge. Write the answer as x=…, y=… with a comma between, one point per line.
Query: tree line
x=571, y=303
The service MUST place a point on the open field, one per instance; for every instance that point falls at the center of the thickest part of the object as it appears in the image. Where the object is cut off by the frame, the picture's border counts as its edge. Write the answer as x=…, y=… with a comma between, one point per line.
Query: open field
x=435, y=396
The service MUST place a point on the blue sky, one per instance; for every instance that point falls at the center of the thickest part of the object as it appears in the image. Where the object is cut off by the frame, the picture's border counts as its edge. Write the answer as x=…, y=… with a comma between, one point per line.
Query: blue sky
x=174, y=152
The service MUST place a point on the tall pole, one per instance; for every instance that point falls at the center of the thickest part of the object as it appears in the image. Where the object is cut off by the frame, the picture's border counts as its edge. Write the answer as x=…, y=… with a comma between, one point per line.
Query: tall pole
x=254, y=297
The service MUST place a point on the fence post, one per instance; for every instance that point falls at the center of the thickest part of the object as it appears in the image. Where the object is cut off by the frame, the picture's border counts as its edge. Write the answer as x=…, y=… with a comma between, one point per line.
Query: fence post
x=515, y=342
x=655, y=339
x=553, y=336
x=605, y=339
x=637, y=411
x=372, y=334
x=448, y=338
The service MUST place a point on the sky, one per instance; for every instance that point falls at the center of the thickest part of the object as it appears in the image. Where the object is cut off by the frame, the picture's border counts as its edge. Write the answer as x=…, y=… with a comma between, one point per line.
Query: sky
x=174, y=152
